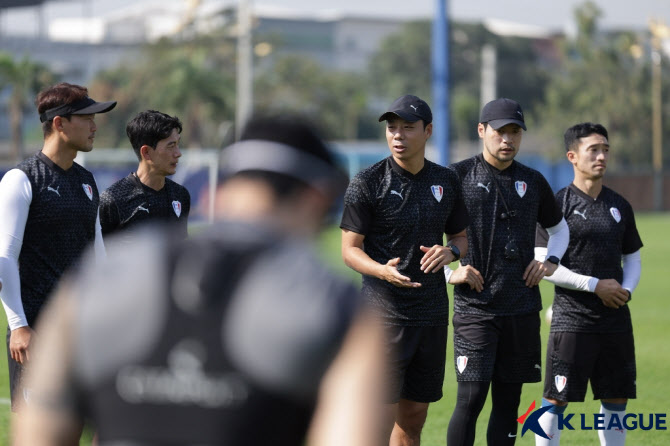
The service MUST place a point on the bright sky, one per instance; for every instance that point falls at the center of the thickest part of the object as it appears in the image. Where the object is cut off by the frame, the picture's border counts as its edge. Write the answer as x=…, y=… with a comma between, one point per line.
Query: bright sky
x=554, y=14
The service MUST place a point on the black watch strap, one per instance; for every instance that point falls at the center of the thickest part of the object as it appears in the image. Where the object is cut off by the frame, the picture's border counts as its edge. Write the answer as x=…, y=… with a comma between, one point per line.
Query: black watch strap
x=455, y=251
x=553, y=259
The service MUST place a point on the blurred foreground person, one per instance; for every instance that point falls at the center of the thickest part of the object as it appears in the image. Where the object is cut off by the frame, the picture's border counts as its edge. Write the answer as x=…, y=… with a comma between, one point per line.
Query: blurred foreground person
x=235, y=336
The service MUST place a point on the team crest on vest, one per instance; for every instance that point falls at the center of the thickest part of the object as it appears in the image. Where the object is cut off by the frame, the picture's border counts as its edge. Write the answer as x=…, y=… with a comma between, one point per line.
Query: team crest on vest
x=89, y=191
x=176, y=206
x=461, y=363
x=616, y=214
x=437, y=192
x=560, y=382
x=521, y=188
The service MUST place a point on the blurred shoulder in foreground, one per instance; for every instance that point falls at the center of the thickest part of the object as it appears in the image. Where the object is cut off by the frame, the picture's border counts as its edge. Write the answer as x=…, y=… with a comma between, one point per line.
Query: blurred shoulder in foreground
x=236, y=336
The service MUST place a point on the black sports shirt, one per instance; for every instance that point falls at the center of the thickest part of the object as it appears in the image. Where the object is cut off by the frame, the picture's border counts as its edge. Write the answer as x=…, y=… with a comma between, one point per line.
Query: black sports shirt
x=60, y=225
x=531, y=199
x=128, y=202
x=601, y=231
x=397, y=212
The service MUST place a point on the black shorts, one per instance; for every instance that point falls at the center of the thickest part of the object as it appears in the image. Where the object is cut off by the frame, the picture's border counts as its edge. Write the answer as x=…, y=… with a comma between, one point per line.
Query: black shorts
x=417, y=359
x=607, y=359
x=16, y=373
x=497, y=348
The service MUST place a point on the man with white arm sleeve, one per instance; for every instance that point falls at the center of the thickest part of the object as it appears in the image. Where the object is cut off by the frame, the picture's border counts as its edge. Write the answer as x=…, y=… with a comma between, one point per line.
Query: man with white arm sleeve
x=496, y=295
x=591, y=337
x=49, y=208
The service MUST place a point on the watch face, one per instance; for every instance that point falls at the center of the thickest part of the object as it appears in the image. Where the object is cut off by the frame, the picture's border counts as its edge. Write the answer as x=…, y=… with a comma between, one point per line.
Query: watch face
x=455, y=251
x=553, y=259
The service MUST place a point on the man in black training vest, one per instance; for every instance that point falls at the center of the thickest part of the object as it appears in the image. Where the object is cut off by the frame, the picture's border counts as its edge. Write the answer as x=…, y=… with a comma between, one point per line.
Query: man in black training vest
x=496, y=297
x=396, y=213
x=591, y=334
x=147, y=195
x=49, y=209
x=240, y=337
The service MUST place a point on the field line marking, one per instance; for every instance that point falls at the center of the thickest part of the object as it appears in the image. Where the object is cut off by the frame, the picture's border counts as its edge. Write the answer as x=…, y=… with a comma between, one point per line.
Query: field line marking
x=5, y=401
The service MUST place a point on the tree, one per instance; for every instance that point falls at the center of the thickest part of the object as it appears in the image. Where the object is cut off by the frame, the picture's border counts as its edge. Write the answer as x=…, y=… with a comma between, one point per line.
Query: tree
x=403, y=65
x=337, y=100
x=24, y=78
x=601, y=80
x=191, y=76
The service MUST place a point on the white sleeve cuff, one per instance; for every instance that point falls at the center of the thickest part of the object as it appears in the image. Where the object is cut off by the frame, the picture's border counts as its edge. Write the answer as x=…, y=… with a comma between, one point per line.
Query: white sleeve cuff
x=559, y=237
x=447, y=272
x=632, y=270
x=566, y=278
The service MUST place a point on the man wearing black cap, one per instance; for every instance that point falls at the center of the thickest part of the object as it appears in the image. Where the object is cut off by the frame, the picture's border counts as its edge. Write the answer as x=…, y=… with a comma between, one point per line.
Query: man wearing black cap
x=496, y=297
x=251, y=341
x=147, y=195
x=49, y=208
x=396, y=213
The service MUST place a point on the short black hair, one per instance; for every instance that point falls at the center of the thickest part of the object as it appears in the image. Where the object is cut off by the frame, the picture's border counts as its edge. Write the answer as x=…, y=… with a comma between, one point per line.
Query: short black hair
x=292, y=130
x=582, y=130
x=149, y=127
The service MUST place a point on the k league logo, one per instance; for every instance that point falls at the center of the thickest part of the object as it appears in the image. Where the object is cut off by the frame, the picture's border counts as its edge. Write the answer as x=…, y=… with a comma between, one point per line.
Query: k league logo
x=596, y=421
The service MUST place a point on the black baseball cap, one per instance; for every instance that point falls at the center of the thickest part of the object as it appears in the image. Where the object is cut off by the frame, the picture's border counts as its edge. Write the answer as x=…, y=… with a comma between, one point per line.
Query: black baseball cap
x=84, y=106
x=410, y=108
x=500, y=112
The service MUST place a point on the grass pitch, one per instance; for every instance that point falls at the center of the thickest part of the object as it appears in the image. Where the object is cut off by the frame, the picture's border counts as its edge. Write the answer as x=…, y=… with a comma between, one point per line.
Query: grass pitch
x=651, y=321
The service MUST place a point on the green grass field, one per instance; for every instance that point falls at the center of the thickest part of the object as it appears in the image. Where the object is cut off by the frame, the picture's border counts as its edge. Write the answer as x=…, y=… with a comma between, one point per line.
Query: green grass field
x=651, y=320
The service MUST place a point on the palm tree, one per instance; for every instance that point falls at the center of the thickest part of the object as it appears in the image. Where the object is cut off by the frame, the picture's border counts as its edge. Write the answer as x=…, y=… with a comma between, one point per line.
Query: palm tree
x=24, y=78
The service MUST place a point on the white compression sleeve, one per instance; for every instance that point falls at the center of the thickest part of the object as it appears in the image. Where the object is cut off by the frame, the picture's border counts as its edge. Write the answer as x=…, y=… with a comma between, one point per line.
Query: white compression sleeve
x=559, y=237
x=566, y=278
x=447, y=272
x=99, y=245
x=632, y=270
x=15, y=198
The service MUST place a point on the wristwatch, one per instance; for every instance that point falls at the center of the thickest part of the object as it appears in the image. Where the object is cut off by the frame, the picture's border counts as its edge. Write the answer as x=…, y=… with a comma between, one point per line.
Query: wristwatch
x=553, y=259
x=455, y=251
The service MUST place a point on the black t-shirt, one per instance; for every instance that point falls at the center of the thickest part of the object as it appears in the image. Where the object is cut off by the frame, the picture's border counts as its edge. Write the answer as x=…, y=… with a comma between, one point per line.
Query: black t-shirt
x=530, y=198
x=397, y=212
x=129, y=203
x=60, y=225
x=601, y=231
x=220, y=339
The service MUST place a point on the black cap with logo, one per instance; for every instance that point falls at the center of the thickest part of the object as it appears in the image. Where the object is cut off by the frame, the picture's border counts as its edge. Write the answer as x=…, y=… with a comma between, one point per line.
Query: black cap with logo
x=410, y=108
x=500, y=112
